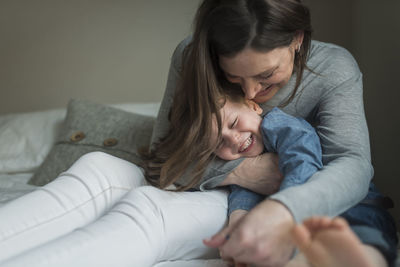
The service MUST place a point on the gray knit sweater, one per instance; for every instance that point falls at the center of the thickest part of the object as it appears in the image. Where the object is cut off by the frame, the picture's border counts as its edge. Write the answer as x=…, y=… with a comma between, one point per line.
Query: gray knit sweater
x=331, y=99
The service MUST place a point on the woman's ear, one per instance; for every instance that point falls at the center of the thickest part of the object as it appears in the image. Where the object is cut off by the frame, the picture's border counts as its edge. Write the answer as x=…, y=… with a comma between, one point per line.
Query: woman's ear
x=254, y=106
x=298, y=40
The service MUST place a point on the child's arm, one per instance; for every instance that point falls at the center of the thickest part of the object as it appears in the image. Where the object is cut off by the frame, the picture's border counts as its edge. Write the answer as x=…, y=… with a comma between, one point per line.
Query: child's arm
x=242, y=199
x=297, y=144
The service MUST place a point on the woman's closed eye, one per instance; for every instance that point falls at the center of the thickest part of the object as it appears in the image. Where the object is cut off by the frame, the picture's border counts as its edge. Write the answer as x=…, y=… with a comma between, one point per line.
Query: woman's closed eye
x=232, y=79
x=265, y=77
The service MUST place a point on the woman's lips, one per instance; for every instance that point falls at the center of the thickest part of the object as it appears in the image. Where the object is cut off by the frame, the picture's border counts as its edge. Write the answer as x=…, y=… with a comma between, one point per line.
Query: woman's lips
x=265, y=91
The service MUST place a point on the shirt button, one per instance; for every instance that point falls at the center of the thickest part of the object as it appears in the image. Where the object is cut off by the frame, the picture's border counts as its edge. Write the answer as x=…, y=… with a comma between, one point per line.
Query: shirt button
x=77, y=136
x=110, y=142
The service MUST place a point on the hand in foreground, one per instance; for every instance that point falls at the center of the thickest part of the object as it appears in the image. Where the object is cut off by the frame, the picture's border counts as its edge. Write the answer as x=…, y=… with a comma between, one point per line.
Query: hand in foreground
x=234, y=218
x=262, y=237
x=259, y=174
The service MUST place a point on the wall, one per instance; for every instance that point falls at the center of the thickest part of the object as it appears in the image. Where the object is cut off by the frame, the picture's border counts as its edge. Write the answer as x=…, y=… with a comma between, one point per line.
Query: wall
x=107, y=51
x=370, y=30
x=377, y=43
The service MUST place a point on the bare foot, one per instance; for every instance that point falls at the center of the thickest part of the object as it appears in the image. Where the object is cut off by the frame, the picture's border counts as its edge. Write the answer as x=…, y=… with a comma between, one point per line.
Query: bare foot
x=330, y=242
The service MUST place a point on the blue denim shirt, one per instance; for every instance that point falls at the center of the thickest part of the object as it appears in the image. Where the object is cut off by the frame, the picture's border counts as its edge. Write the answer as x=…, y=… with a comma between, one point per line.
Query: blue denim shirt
x=300, y=156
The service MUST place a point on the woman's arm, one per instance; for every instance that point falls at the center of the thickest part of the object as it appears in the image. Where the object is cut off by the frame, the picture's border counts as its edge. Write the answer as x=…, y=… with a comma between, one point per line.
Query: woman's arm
x=342, y=128
x=161, y=125
x=259, y=174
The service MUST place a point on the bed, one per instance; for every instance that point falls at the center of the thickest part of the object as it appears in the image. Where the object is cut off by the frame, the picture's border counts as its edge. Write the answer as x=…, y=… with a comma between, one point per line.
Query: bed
x=27, y=138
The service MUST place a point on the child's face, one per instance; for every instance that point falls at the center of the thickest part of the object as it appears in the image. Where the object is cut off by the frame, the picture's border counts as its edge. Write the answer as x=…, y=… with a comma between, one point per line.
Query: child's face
x=241, y=135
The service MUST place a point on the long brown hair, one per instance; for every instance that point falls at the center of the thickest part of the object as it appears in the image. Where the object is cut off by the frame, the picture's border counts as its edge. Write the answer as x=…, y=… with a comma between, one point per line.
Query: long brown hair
x=222, y=28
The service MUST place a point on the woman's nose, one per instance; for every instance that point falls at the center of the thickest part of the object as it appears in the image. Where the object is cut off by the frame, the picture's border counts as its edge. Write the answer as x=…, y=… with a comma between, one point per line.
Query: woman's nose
x=251, y=88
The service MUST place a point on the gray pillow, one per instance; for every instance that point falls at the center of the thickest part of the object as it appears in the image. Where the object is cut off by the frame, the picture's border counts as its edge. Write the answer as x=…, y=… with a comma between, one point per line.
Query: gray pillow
x=94, y=127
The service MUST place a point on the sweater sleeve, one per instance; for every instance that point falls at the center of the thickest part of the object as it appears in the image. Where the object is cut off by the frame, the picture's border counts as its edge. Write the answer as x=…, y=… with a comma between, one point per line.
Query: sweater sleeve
x=161, y=125
x=342, y=128
x=241, y=198
x=297, y=145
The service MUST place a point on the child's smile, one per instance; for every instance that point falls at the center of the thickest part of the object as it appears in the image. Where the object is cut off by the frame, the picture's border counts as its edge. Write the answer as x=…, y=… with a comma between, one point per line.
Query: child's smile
x=241, y=135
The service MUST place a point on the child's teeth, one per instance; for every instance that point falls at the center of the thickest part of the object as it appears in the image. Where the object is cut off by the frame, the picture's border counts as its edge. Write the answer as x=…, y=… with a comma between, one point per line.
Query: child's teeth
x=247, y=143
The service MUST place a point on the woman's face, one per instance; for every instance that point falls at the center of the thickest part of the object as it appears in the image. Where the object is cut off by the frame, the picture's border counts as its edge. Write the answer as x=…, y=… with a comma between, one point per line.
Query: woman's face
x=260, y=74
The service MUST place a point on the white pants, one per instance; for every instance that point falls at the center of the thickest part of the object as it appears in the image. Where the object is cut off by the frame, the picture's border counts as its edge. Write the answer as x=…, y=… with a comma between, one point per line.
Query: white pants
x=101, y=213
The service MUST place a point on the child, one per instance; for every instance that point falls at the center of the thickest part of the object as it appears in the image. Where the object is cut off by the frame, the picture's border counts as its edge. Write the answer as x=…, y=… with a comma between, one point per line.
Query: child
x=244, y=133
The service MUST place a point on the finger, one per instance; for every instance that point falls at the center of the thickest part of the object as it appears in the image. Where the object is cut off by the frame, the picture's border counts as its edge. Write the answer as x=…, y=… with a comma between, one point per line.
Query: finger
x=312, y=223
x=324, y=222
x=316, y=223
x=232, y=245
x=301, y=236
x=339, y=223
x=218, y=239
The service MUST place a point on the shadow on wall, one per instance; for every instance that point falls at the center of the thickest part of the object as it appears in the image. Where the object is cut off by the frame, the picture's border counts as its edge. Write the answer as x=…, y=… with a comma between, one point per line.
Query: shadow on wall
x=369, y=30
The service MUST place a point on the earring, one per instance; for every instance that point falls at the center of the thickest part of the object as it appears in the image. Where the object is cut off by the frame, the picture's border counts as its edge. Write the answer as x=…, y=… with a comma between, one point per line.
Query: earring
x=298, y=48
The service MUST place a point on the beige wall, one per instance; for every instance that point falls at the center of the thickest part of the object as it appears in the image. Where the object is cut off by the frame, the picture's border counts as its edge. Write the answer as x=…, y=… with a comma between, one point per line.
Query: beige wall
x=119, y=51
x=370, y=30
x=377, y=43
x=107, y=51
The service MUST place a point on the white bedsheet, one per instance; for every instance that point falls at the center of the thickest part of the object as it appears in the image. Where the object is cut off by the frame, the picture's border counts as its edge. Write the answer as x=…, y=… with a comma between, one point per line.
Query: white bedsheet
x=13, y=186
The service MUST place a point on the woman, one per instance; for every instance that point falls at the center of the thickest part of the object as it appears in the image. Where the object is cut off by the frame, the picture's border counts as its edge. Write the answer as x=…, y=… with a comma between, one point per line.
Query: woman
x=92, y=215
x=265, y=47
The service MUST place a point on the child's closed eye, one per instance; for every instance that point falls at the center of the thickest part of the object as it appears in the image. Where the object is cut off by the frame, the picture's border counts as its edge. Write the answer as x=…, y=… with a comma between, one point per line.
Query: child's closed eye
x=234, y=123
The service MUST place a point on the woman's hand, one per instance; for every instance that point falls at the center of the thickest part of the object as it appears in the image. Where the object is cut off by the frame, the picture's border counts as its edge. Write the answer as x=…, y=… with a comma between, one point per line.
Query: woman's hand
x=234, y=218
x=262, y=237
x=259, y=174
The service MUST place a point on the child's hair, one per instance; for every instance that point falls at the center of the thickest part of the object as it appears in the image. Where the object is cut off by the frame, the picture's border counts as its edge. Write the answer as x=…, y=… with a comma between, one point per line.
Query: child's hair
x=187, y=149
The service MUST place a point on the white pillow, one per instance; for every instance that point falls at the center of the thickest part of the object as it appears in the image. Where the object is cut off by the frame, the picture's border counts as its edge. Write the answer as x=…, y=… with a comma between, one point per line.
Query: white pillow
x=26, y=138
